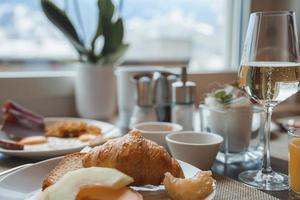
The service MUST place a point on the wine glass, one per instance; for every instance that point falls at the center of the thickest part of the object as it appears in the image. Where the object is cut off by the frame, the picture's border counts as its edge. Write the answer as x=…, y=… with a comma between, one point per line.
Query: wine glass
x=269, y=73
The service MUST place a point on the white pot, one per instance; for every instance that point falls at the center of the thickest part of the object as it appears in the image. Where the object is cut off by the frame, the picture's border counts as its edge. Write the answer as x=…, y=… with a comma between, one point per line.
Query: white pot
x=95, y=91
x=233, y=124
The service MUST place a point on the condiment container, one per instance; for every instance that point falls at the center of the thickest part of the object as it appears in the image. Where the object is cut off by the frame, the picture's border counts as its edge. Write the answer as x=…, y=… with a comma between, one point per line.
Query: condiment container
x=183, y=99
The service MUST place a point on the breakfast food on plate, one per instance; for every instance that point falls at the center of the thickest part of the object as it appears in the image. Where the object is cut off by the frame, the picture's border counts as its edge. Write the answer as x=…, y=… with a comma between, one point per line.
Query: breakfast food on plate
x=145, y=161
x=24, y=130
x=69, y=163
x=87, y=137
x=33, y=140
x=71, y=129
x=8, y=144
x=104, y=193
x=19, y=122
x=195, y=188
x=106, y=172
x=142, y=159
x=94, y=183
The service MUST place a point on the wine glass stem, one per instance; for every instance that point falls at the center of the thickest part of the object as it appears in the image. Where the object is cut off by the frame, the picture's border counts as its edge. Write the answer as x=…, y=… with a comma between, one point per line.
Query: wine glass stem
x=266, y=164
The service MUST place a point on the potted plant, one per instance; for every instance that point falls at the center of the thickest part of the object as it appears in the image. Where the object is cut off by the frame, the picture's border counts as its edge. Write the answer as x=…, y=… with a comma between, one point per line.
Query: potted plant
x=95, y=88
x=228, y=111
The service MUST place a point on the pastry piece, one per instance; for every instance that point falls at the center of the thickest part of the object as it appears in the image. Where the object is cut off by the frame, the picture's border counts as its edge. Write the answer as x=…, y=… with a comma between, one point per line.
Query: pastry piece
x=32, y=140
x=20, y=122
x=195, y=188
x=71, y=129
x=87, y=137
x=68, y=163
x=142, y=159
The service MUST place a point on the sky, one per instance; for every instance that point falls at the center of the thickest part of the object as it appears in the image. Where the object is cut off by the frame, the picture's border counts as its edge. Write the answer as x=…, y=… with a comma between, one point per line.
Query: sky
x=158, y=29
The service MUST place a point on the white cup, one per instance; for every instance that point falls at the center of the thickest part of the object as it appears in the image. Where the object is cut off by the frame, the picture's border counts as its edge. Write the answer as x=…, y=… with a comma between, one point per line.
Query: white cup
x=157, y=131
x=197, y=148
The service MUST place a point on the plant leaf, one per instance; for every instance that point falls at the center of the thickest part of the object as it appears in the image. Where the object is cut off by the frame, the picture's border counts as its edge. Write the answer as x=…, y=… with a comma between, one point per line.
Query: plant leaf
x=98, y=32
x=61, y=21
x=106, y=9
x=116, y=35
x=116, y=55
x=220, y=94
x=109, y=28
x=227, y=98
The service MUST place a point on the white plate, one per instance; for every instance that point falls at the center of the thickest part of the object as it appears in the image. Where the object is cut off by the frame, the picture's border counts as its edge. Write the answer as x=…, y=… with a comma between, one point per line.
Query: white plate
x=108, y=130
x=26, y=182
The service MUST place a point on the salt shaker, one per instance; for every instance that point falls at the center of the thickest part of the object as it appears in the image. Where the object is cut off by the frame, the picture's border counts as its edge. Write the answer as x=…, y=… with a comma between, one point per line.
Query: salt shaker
x=183, y=99
x=143, y=110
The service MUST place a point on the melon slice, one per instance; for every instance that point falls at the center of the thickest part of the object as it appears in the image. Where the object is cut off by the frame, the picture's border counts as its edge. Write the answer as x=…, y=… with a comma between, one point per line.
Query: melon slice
x=102, y=193
x=70, y=184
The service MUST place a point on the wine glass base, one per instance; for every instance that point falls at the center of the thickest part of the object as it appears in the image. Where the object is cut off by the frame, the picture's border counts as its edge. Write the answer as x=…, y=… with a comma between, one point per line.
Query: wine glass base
x=273, y=181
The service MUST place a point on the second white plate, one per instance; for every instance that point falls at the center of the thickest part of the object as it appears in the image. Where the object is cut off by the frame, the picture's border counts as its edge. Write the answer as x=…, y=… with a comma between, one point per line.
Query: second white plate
x=108, y=130
x=26, y=183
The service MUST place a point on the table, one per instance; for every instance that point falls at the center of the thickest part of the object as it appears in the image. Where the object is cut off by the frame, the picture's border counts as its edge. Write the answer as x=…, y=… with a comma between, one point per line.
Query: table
x=279, y=152
x=279, y=163
x=232, y=171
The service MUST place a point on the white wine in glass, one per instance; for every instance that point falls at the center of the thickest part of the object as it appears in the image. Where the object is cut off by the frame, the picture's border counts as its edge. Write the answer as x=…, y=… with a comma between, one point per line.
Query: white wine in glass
x=269, y=73
x=270, y=82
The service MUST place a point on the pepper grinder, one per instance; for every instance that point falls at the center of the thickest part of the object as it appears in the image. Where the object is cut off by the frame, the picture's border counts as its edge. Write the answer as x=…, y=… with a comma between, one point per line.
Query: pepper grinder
x=183, y=99
x=162, y=82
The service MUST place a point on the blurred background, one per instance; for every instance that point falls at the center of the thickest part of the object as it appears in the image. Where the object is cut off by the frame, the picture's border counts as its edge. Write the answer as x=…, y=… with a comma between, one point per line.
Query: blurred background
x=36, y=60
x=158, y=32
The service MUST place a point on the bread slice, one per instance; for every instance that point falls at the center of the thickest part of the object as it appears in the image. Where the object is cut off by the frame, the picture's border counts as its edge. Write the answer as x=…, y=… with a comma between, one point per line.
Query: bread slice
x=69, y=163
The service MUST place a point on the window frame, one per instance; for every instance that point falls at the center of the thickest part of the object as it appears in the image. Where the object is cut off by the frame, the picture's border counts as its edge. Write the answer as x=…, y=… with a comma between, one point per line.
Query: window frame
x=238, y=16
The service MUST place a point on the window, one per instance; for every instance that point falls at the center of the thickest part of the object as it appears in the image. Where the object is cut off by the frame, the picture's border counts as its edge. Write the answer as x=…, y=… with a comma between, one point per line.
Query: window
x=25, y=33
x=157, y=30
x=176, y=30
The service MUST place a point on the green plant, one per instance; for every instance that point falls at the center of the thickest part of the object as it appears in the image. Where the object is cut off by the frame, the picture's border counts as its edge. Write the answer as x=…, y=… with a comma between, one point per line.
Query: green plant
x=109, y=28
x=223, y=97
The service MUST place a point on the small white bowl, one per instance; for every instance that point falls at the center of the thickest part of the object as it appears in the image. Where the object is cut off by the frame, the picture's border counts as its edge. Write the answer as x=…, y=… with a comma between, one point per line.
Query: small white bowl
x=157, y=131
x=197, y=148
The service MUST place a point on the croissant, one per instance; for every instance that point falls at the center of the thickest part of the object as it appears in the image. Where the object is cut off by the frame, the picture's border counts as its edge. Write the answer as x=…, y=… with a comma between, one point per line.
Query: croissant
x=142, y=159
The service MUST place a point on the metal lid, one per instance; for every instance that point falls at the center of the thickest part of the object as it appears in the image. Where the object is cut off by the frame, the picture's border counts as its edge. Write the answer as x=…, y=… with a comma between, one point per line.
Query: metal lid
x=183, y=92
x=144, y=93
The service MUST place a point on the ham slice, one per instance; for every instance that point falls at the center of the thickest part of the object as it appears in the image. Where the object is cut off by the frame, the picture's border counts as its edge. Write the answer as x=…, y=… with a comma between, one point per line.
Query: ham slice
x=8, y=144
x=20, y=122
